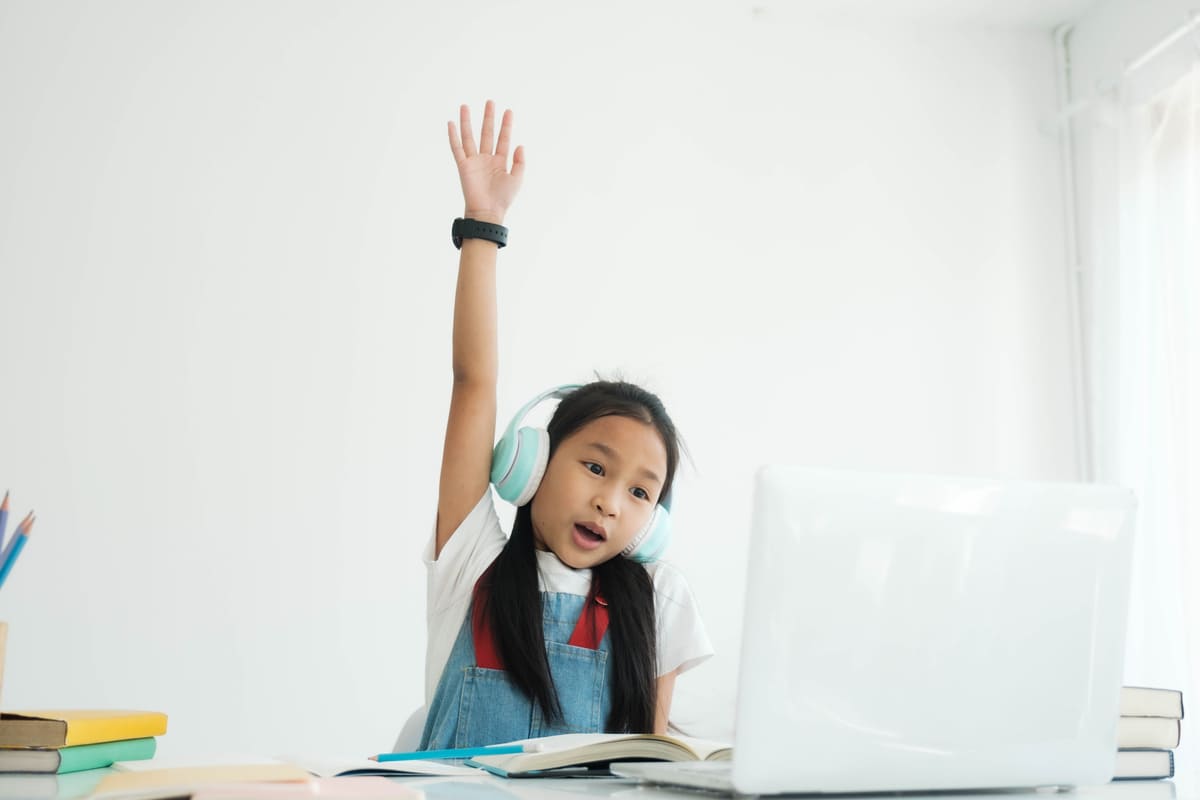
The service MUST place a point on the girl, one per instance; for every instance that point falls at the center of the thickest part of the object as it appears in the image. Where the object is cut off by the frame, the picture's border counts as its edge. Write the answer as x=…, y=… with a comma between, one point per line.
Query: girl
x=561, y=626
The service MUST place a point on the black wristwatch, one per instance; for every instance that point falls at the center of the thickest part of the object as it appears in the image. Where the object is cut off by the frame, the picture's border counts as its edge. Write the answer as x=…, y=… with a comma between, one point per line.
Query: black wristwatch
x=474, y=229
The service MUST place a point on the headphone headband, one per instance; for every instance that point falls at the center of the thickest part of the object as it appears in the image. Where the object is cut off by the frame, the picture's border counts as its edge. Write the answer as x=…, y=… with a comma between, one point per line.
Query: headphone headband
x=558, y=392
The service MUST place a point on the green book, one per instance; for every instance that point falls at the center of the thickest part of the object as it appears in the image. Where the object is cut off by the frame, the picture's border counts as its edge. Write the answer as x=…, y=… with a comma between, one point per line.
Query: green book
x=76, y=758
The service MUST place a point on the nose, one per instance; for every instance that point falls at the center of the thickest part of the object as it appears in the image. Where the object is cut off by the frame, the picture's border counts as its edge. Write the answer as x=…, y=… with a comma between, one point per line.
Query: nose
x=605, y=501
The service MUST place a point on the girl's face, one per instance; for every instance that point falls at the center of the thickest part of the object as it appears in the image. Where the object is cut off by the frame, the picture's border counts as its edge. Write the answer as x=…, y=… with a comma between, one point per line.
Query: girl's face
x=599, y=490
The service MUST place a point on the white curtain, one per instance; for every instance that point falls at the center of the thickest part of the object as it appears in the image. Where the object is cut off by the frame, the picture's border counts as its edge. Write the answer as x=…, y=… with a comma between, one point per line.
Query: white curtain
x=1141, y=222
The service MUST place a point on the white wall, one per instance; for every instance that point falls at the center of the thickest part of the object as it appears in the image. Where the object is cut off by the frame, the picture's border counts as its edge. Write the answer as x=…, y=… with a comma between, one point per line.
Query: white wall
x=227, y=284
x=1103, y=44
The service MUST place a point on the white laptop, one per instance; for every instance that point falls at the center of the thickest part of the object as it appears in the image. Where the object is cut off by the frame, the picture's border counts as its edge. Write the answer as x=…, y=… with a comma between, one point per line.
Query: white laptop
x=914, y=632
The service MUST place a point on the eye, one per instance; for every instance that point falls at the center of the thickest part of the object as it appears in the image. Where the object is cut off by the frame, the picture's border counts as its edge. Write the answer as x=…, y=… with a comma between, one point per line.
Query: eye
x=640, y=493
x=593, y=467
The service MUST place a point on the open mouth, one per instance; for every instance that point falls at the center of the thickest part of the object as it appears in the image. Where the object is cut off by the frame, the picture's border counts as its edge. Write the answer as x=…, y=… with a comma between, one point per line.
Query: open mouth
x=587, y=534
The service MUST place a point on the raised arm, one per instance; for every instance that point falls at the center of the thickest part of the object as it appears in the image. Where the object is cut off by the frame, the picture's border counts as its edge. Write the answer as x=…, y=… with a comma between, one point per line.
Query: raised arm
x=489, y=187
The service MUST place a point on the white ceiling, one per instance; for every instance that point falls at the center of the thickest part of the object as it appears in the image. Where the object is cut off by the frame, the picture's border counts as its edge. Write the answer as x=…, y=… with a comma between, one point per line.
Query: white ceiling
x=1045, y=14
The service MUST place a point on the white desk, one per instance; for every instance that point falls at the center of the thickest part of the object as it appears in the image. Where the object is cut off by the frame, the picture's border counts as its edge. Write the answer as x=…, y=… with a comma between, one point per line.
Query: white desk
x=489, y=787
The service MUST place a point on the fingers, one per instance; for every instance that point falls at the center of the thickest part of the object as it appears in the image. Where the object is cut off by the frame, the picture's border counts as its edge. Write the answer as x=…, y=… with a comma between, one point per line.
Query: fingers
x=486, y=136
x=518, y=167
x=455, y=143
x=468, y=138
x=505, y=133
x=463, y=146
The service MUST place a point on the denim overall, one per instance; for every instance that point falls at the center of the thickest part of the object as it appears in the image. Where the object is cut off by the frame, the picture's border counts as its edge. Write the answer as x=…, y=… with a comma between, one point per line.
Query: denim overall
x=477, y=704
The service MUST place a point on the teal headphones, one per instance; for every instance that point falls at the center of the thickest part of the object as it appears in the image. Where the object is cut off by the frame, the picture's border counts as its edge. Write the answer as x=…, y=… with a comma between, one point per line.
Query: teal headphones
x=519, y=462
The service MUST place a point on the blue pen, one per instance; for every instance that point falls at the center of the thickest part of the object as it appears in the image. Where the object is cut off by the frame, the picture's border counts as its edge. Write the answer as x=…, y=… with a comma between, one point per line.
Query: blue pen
x=461, y=752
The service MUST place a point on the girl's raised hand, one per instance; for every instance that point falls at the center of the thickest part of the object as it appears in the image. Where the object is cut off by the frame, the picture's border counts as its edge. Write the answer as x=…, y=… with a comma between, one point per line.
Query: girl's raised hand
x=488, y=185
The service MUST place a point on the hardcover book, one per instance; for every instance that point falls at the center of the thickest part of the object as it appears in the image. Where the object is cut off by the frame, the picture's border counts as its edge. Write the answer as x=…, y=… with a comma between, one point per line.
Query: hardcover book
x=1144, y=765
x=1158, y=733
x=77, y=757
x=1140, y=701
x=68, y=727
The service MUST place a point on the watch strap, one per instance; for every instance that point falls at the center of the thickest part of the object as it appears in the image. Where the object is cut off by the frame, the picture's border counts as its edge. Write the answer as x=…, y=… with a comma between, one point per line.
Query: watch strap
x=467, y=228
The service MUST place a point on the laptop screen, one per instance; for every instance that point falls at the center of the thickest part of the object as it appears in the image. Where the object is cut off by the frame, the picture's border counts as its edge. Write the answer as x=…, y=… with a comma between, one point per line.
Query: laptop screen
x=930, y=632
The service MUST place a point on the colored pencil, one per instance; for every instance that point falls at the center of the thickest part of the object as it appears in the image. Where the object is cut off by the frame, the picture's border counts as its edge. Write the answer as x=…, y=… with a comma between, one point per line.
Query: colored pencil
x=3, y=518
x=15, y=545
x=4, y=553
x=460, y=752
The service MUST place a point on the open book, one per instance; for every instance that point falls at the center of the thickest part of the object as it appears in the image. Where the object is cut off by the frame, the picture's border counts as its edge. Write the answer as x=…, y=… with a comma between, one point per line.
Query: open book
x=591, y=750
x=346, y=767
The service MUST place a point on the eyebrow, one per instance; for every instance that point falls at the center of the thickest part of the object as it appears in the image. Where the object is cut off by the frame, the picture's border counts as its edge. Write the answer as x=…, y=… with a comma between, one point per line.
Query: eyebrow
x=608, y=451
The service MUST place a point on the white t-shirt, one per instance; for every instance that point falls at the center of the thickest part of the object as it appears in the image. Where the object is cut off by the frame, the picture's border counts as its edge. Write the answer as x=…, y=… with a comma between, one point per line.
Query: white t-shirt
x=682, y=640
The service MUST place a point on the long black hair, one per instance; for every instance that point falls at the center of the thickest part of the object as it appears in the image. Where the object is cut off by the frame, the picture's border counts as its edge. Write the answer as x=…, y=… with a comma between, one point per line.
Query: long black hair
x=514, y=606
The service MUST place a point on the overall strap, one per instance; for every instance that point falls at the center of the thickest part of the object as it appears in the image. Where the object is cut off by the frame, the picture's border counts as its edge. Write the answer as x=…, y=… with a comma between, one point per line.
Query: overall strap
x=589, y=629
x=592, y=623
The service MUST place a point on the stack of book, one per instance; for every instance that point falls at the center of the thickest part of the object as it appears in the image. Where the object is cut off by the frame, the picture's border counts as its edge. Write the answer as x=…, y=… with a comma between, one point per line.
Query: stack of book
x=1147, y=733
x=71, y=741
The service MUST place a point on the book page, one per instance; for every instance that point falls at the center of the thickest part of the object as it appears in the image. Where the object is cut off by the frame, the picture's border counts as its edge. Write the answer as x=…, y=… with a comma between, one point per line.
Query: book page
x=575, y=749
x=702, y=748
x=328, y=767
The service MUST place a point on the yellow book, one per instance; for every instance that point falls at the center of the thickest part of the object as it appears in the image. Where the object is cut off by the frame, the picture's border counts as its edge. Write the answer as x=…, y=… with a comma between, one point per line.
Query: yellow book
x=66, y=728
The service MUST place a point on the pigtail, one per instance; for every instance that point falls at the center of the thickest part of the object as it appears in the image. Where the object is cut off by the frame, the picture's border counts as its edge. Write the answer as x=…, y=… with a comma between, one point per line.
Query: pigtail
x=514, y=611
x=627, y=588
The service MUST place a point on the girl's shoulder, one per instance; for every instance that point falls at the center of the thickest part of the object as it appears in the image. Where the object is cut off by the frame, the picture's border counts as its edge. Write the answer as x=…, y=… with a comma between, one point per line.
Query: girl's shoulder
x=670, y=584
x=682, y=639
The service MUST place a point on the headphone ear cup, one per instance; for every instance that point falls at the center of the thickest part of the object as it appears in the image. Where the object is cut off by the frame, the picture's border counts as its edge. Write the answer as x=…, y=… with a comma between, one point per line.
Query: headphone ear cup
x=519, y=464
x=652, y=541
x=502, y=458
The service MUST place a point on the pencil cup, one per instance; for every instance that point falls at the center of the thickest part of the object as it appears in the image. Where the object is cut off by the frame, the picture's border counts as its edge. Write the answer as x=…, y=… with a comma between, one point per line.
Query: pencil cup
x=3, y=639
